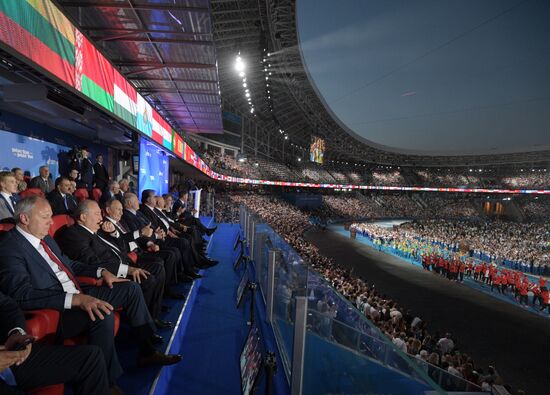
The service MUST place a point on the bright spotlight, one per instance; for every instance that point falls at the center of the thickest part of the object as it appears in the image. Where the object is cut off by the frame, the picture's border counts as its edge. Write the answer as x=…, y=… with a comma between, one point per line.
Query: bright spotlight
x=252, y=110
x=241, y=74
x=239, y=64
x=247, y=94
x=244, y=84
x=286, y=137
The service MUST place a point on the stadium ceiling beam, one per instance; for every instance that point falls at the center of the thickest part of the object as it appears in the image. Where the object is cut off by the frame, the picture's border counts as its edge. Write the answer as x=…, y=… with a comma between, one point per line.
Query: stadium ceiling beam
x=152, y=65
x=150, y=91
x=237, y=20
x=126, y=6
x=136, y=31
x=138, y=78
x=153, y=40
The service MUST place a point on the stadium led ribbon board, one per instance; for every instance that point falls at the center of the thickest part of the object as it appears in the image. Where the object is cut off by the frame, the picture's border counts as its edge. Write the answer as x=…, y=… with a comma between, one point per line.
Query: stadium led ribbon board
x=39, y=33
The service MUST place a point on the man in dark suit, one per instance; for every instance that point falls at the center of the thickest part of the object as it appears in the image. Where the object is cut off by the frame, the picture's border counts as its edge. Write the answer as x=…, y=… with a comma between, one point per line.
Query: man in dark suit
x=37, y=275
x=186, y=215
x=112, y=191
x=60, y=198
x=43, y=180
x=83, y=243
x=85, y=170
x=148, y=204
x=8, y=196
x=101, y=175
x=39, y=365
x=141, y=243
x=135, y=219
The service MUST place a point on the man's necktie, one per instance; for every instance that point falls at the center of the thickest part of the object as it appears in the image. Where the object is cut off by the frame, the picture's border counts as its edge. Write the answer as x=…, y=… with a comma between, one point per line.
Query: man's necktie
x=122, y=227
x=60, y=264
x=8, y=377
x=13, y=200
x=66, y=203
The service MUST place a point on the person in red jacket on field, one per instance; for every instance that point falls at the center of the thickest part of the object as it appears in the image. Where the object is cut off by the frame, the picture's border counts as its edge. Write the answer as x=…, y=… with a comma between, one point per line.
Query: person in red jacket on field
x=544, y=295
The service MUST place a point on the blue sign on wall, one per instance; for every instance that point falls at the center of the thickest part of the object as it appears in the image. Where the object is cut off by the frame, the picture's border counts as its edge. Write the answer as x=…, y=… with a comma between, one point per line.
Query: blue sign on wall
x=29, y=153
x=153, y=168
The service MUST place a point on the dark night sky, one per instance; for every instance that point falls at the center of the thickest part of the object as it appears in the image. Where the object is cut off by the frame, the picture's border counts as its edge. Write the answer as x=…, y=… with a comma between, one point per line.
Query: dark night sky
x=439, y=76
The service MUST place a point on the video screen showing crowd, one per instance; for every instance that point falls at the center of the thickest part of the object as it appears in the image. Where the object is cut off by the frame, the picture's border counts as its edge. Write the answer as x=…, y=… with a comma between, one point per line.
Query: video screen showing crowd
x=119, y=252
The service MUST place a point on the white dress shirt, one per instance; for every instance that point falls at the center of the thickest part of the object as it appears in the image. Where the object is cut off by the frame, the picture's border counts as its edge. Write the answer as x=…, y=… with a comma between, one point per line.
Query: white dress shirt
x=68, y=286
x=122, y=268
x=135, y=234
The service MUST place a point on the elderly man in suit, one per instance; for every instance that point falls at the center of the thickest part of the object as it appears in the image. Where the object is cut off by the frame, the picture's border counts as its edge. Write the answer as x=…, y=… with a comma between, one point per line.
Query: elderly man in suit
x=84, y=243
x=142, y=244
x=61, y=199
x=38, y=365
x=37, y=275
x=43, y=180
x=8, y=196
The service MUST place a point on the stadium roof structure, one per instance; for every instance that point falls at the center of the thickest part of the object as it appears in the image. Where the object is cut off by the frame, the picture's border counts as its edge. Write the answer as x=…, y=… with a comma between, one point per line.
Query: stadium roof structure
x=173, y=51
x=165, y=49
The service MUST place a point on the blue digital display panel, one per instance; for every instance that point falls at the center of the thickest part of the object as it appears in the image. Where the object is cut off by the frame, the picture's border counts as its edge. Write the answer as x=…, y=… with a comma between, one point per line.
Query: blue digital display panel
x=153, y=167
x=29, y=153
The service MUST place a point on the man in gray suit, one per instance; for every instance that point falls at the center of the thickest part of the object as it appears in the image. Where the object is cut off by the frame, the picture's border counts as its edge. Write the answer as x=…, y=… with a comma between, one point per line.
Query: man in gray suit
x=8, y=195
x=42, y=181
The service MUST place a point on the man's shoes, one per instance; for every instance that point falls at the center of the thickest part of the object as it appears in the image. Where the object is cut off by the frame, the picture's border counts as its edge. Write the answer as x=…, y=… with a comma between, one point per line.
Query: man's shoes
x=207, y=263
x=116, y=390
x=210, y=231
x=158, y=359
x=161, y=324
x=174, y=295
x=186, y=279
x=157, y=339
x=194, y=276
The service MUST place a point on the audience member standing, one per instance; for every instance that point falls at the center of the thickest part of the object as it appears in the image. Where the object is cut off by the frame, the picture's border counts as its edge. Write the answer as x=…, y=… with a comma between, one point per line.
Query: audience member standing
x=85, y=169
x=101, y=175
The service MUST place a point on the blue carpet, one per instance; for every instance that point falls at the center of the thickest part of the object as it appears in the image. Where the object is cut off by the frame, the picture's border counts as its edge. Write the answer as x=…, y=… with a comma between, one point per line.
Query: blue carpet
x=216, y=329
x=468, y=281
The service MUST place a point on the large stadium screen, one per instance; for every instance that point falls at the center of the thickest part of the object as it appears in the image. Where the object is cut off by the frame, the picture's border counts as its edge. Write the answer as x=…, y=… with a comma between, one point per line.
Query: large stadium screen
x=317, y=150
x=153, y=168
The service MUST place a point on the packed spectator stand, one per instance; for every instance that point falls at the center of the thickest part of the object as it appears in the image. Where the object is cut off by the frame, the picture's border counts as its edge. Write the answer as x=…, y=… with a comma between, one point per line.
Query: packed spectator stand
x=406, y=331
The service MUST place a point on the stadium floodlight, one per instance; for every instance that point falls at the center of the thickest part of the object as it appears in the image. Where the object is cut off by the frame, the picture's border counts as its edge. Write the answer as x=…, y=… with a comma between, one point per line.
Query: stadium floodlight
x=241, y=157
x=242, y=74
x=247, y=94
x=252, y=110
x=244, y=84
x=239, y=64
x=299, y=159
x=286, y=137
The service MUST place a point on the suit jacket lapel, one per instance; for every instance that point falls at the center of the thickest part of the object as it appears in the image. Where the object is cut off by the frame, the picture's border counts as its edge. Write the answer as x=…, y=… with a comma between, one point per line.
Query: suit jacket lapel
x=35, y=258
x=8, y=206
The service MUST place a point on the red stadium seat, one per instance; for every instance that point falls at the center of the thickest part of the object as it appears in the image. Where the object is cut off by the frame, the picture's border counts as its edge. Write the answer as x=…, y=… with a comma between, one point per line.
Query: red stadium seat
x=96, y=194
x=81, y=194
x=4, y=227
x=31, y=192
x=60, y=221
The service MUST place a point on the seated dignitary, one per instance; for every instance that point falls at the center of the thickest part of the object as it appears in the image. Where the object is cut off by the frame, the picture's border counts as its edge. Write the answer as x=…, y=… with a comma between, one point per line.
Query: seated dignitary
x=135, y=219
x=8, y=195
x=142, y=244
x=83, y=243
x=20, y=177
x=23, y=367
x=37, y=275
x=61, y=199
x=148, y=207
x=198, y=244
x=112, y=191
x=42, y=181
x=186, y=214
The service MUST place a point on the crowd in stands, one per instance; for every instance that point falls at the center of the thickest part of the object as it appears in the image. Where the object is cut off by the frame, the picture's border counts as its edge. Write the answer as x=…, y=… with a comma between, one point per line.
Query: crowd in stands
x=536, y=210
x=348, y=173
x=408, y=332
x=88, y=259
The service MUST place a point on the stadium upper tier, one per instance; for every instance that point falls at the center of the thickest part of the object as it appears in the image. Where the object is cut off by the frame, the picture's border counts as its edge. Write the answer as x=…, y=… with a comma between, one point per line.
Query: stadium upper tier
x=362, y=174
